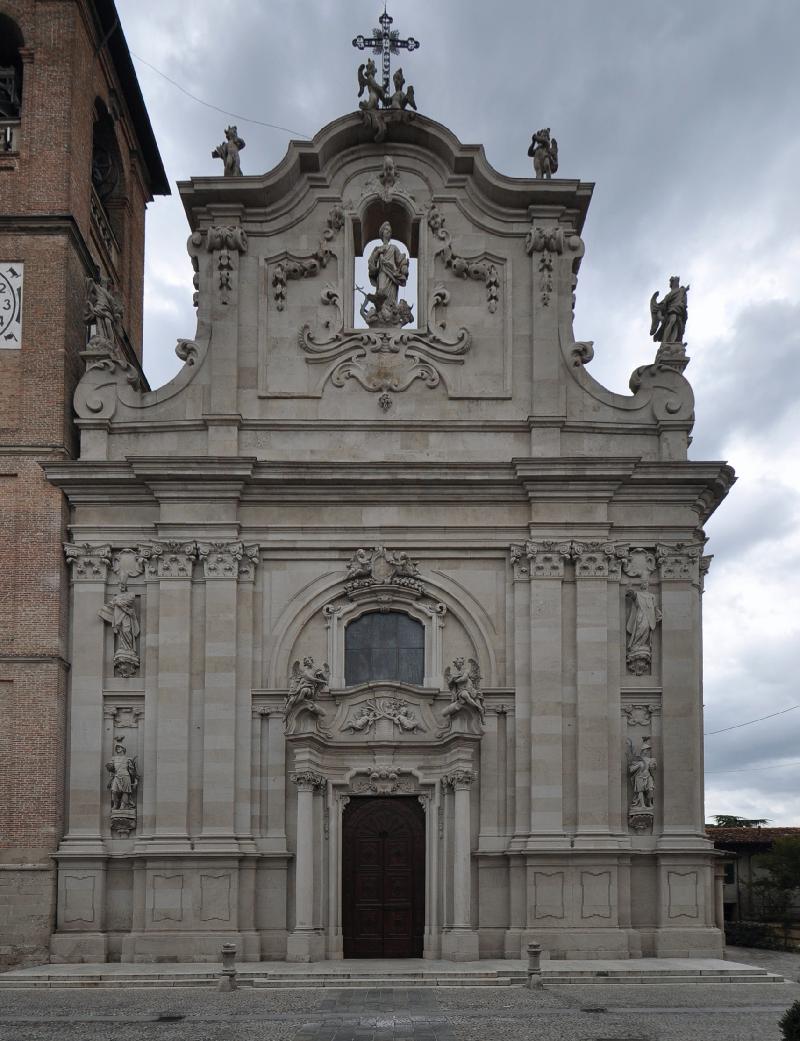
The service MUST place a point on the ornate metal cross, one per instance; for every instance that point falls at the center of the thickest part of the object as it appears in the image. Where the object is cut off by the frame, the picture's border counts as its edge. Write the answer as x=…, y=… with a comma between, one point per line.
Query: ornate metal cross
x=385, y=41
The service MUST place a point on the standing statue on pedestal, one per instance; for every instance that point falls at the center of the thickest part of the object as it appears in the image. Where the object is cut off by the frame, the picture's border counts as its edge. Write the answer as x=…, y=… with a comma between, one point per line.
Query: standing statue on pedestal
x=388, y=271
x=643, y=617
x=544, y=152
x=102, y=314
x=641, y=770
x=120, y=613
x=229, y=151
x=669, y=315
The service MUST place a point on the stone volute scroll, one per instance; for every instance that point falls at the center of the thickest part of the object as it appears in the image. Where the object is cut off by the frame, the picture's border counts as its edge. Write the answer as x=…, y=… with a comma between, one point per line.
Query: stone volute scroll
x=107, y=370
x=123, y=784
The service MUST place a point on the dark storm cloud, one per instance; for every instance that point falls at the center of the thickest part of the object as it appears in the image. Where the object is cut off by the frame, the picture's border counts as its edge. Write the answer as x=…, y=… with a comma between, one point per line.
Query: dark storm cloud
x=684, y=114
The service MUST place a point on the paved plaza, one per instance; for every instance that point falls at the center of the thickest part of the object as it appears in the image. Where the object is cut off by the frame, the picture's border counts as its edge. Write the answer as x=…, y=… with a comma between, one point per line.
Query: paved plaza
x=717, y=1012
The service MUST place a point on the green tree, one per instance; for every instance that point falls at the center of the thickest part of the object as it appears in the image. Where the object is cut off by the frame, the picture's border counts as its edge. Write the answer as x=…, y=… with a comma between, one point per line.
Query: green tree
x=780, y=887
x=725, y=820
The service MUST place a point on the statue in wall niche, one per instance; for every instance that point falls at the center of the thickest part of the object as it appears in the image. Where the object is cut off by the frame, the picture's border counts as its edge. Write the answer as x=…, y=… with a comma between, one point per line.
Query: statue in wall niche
x=124, y=778
x=102, y=313
x=388, y=272
x=463, y=677
x=641, y=770
x=306, y=683
x=228, y=152
x=544, y=152
x=642, y=618
x=668, y=316
x=120, y=614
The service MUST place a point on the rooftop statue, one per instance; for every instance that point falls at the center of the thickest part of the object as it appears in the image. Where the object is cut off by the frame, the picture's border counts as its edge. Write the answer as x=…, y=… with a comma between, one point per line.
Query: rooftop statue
x=544, y=152
x=229, y=151
x=388, y=271
x=384, y=41
x=669, y=315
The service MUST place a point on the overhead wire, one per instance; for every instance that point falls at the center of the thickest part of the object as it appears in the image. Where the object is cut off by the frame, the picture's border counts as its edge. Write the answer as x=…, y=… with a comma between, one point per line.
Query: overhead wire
x=755, y=769
x=736, y=726
x=216, y=108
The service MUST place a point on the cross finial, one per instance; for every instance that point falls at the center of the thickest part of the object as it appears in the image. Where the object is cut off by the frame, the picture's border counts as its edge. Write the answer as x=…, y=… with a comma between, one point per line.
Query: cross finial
x=385, y=41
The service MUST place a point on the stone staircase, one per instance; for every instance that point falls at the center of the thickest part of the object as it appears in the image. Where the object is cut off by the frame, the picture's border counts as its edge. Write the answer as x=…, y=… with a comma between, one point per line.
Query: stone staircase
x=389, y=975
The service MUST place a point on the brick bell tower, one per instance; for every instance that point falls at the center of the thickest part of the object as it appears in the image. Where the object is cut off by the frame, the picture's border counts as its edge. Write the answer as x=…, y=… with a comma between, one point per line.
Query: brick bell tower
x=78, y=165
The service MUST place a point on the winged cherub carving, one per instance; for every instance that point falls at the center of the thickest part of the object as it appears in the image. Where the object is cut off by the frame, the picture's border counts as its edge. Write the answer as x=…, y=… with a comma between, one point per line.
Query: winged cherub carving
x=463, y=678
x=306, y=683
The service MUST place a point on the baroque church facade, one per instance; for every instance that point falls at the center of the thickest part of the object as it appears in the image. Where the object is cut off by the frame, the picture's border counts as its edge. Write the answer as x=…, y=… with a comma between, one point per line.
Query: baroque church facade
x=385, y=616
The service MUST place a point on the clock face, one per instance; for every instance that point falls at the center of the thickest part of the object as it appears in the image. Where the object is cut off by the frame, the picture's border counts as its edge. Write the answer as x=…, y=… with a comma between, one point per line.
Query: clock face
x=10, y=305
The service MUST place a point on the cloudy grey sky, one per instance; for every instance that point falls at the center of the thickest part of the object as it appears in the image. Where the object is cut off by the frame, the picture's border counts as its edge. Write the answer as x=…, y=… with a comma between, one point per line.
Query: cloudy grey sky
x=685, y=114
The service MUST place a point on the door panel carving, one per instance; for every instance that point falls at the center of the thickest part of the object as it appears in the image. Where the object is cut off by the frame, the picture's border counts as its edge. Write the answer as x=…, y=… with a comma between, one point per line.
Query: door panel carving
x=383, y=877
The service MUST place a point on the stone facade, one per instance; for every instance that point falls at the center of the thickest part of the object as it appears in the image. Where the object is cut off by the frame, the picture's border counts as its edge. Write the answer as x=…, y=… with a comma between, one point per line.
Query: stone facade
x=55, y=231
x=464, y=470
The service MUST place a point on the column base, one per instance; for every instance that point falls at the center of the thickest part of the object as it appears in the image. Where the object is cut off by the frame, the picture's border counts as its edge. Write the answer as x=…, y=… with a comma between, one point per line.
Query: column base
x=460, y=945
x=305, y=945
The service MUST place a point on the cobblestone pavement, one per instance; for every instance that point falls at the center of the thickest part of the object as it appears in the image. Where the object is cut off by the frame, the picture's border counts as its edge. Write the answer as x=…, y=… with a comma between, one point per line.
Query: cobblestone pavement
x=722, y=1012
x=786, y=963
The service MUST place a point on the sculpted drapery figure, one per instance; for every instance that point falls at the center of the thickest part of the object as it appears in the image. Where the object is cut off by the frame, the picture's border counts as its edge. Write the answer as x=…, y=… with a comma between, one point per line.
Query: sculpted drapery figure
x=669, y=315
x=306, y=683
x=228, y=152
x=642, y=619
x=103, y=311
x=120, y=614
x=463, y=677
x=388, y=272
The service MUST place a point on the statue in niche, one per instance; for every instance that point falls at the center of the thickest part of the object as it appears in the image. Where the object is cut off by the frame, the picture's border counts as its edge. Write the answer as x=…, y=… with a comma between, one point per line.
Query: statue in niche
x=306, y=683
x=120, y=614
x=463, y=678
x=669, y=315
x=641, y=770
x=544, y=152
x=229, y=151
x=124, y=778
x=102, y=313
x=642, y=619
x=388, y=272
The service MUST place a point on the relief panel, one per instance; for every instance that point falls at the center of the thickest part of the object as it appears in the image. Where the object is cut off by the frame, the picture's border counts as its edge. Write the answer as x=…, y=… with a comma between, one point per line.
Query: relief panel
x=548, y=894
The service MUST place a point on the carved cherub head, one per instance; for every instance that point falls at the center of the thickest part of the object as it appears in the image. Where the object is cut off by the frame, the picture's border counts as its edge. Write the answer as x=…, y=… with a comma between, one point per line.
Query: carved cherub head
x=458, y=662
x=308, y=661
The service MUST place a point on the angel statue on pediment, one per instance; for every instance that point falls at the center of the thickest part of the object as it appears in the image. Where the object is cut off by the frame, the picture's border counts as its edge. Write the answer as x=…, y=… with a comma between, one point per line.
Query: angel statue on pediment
x=306, y=683
x=463, y=678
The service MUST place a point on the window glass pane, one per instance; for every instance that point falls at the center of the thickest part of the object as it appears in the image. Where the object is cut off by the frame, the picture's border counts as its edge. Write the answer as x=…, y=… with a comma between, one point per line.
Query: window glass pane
x=384, y=646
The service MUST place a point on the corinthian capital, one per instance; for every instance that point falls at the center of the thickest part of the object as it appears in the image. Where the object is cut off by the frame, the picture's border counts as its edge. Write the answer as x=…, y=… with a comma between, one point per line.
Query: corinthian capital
x=459, y=779
x=309, y=781
x=596, y=559
x=172, y=559
x=89, y=563
x=544, y=559
x=679, y=562
x=227, y=559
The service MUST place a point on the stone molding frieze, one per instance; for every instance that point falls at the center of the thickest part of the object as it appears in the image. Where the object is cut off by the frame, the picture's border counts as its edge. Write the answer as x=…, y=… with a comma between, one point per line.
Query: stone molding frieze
x=678, y=562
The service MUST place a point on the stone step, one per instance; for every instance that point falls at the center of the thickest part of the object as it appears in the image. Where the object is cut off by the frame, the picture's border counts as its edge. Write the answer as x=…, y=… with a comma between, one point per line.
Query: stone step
x=660, y=980
x=295, y=981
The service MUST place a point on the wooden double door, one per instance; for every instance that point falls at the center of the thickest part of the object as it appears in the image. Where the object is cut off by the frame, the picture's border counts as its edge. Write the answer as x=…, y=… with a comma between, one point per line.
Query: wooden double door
x=383, y=877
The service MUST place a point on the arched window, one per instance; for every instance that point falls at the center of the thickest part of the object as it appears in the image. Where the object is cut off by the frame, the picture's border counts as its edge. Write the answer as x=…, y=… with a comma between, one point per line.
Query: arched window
x=107, y=175
x=10, y=80
x=384, y=645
